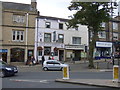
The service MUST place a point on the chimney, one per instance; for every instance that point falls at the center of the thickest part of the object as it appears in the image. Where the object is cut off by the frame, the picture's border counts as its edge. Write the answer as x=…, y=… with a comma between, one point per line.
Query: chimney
x=34, y=4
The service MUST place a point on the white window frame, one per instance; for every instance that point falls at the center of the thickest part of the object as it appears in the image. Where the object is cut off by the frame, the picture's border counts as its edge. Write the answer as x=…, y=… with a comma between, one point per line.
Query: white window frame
x=21, y=35
x=45, y=38
x=102, y=34
x=76, y=43
x=115, y=26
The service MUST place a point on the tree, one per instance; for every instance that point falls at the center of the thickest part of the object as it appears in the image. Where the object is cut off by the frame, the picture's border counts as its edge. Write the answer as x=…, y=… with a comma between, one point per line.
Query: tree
x=92, y=14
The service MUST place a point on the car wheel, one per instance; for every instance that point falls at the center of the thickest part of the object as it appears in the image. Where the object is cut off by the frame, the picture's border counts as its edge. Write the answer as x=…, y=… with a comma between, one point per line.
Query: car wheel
x=45, y=68
x=2, y=74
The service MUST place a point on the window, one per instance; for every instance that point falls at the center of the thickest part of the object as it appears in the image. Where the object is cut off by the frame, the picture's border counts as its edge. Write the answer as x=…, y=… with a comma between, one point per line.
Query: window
x=47, y=37
x=18, y=35
x=47, y=24
x=76, y=40
x=103, y=24
x=61, y=38
x=18, y=18
x=39, y=52
x=115, y=26
x=115, y=36
x=60, y=25
x=47, y=50
x=56, y=53
x=102, y=34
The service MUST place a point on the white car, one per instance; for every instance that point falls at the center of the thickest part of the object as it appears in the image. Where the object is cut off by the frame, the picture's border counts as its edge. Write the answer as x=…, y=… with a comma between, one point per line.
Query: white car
x=53, y=65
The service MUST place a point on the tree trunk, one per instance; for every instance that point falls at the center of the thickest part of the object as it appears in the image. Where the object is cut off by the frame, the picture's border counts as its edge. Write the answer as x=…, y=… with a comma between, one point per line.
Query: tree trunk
x=91, y=50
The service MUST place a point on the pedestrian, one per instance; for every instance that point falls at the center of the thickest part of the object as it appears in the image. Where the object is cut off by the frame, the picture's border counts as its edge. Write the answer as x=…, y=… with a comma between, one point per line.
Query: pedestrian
x=49, y=58
x=43, y=59
x=33, y=60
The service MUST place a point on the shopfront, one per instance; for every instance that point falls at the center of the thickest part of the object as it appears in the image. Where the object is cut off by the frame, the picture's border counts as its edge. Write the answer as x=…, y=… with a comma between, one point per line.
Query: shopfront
x=103, y=50
x=3, y=53
x=73, y=52
x=17, y=55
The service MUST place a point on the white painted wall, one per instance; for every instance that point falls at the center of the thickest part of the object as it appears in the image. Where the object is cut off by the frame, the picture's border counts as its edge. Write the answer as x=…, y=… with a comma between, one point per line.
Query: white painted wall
x=68, y=34
x=81, y=32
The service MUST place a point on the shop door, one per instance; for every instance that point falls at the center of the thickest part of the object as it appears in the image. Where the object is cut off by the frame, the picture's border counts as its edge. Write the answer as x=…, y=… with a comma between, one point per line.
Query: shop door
x=77, y=55
x=4, y=56
x=61, y=55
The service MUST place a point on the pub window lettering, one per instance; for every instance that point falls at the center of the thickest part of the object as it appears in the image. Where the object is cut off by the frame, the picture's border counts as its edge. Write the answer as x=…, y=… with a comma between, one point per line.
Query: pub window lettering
x=18, y=19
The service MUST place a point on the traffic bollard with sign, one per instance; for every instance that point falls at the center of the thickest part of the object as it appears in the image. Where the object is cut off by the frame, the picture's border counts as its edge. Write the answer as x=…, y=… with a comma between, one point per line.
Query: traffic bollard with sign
x=66, y=72
x=115, y=73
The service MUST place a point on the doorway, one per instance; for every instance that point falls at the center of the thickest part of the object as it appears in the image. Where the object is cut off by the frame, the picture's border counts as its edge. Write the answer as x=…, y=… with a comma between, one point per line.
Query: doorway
x=61, y=55
x=77, y=54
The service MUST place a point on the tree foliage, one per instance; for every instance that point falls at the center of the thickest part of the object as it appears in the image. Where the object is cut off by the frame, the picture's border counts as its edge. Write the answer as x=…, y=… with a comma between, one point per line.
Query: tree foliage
x=92, y=14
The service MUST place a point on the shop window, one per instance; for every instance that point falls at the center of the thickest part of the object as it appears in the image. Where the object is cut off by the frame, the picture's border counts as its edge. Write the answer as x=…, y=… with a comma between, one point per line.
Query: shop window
x=17, y=55
x=47, y=50
x=56, y=53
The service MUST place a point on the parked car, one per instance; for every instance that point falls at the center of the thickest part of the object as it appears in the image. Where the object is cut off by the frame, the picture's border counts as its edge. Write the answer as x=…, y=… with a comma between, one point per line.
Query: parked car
x=53, y=65
x=7, y=70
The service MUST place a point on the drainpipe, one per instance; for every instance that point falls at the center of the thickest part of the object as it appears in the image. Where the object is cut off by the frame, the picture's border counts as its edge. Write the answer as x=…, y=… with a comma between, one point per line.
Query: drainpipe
x=36, y=40
x=26, y=43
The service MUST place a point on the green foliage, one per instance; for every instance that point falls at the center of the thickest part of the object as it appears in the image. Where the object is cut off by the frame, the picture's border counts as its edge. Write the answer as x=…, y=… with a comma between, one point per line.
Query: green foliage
x=91, y=14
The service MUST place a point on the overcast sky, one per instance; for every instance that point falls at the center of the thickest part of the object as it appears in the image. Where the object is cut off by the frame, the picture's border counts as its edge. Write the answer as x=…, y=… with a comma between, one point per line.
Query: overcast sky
x=55, y=8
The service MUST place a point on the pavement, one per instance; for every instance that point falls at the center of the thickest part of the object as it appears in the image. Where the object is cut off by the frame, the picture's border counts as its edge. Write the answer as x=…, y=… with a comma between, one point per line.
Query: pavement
x=91, y=82
x=94, y=82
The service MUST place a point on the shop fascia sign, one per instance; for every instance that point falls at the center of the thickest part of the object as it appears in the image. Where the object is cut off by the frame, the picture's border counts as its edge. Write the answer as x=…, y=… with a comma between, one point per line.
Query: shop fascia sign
x=81, y=47
x=3, y=50
x=103, y=44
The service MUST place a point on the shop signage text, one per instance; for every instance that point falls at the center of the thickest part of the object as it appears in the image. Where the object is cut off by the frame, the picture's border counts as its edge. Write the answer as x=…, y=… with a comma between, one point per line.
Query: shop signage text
x=103, y=44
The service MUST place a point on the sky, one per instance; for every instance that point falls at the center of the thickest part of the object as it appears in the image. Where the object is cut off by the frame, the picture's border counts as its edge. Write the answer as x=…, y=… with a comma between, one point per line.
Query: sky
x=54, y=8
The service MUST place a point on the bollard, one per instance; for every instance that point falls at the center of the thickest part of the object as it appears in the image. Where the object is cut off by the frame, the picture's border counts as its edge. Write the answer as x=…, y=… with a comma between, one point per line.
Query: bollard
x=66, y=72
x=115, y=73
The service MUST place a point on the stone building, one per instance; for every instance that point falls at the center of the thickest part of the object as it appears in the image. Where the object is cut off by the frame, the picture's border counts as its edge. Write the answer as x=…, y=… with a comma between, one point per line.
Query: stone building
x=17, y=29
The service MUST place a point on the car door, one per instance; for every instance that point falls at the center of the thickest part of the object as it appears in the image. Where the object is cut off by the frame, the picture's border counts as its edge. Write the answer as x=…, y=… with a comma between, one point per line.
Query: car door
x=57, y=65
x=50, y=65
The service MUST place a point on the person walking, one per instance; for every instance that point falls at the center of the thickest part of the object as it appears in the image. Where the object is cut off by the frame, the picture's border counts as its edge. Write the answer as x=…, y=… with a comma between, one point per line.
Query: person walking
x=33, y=60
x=43, y=59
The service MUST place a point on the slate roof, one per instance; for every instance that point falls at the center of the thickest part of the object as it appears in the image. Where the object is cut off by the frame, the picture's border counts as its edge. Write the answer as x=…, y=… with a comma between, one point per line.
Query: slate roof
x=17, y=6
x=52, y=18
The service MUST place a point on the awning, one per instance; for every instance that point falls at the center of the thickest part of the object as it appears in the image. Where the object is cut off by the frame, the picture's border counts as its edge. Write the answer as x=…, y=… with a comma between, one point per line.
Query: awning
x=39, y=48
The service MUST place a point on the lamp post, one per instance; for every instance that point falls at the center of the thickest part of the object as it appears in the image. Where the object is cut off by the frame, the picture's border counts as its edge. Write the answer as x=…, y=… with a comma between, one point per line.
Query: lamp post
x=115, y=4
